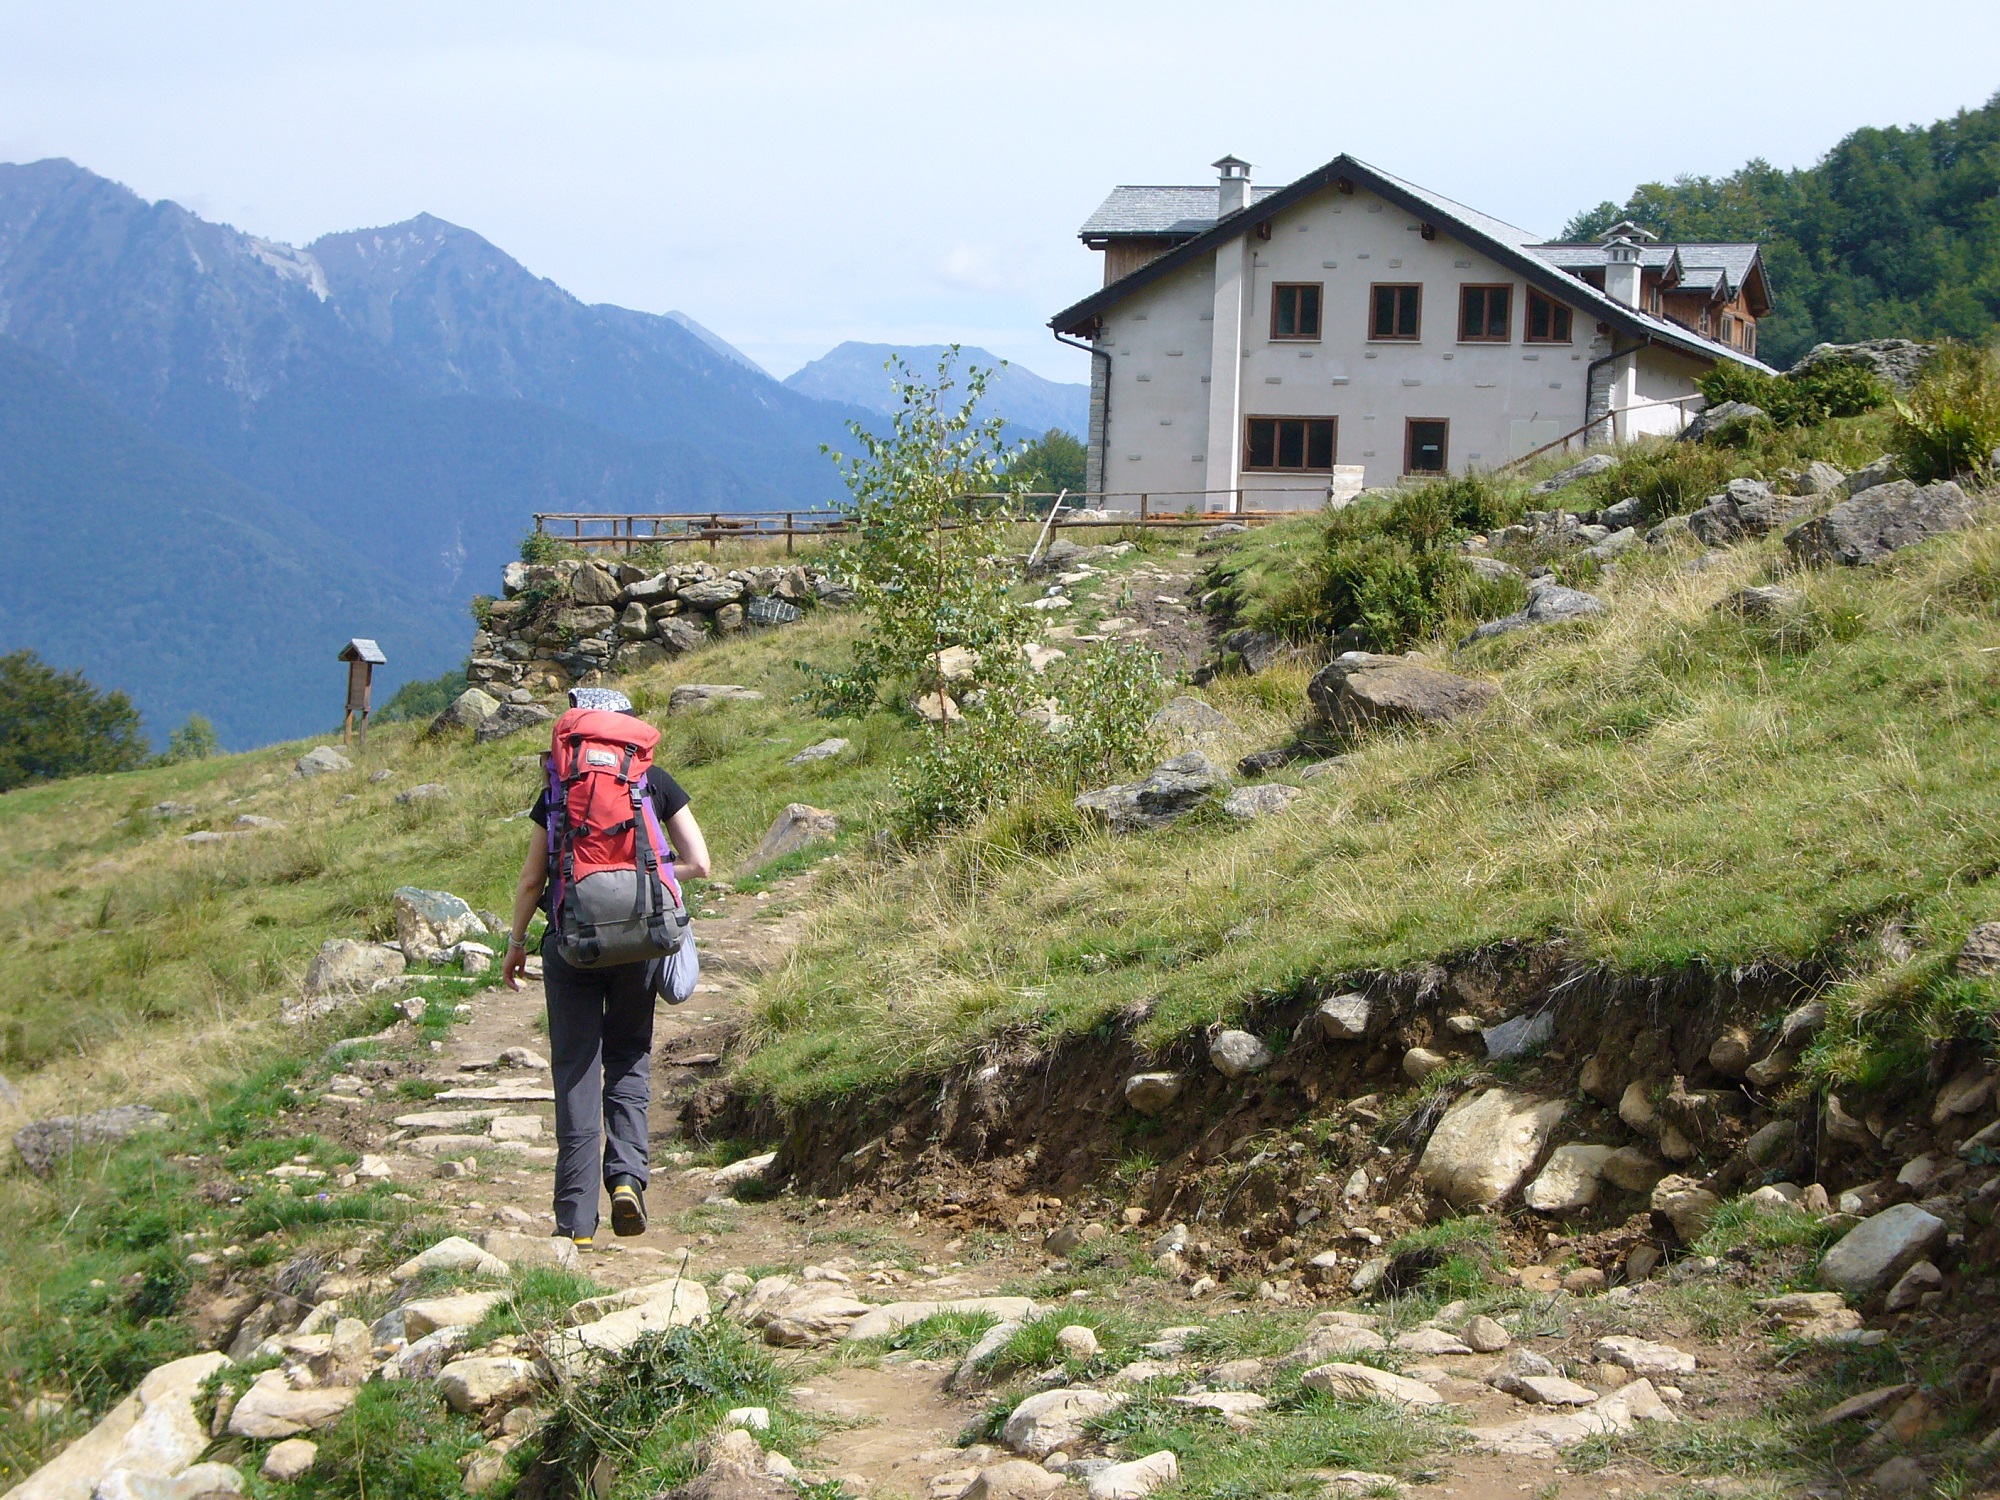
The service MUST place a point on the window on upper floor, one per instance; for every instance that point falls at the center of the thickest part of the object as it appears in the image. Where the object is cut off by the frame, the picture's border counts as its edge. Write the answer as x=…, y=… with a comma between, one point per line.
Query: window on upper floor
x=1728, y=329
x=1295, y=310
x=1397, y=311
x=1749, y=337
x=1485, y=314
x=1290, y=445
x=1548, y=319
x=1425, y=441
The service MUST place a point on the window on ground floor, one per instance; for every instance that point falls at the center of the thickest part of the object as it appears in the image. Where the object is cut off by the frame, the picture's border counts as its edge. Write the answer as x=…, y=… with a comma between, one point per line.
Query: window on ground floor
x=1425, y=445
x=1485, y=314
x=1290, y=445
x=1548, y=319
x=1397, y=311
x=1295, y=310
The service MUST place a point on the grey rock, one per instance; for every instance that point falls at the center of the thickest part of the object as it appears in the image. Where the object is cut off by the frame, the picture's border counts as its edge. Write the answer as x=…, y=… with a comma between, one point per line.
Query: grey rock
x=1358, y=691
x=1819, y=478
x=1253, y=802
x=1149, y=1093
x=345, y=967
x=1911, y=1286
x=468, y=710
x=1870, y=1256
x=513, y=578
x=1485, y=1144
x=1189, y=721
x=824, y=750
x=1686, y=1205
x=1236, y=1054
x=1175, y=788
x=1344, y=1018
x=593, y=585
x=1549, y=605
x=729, y=617
x=1766, y=1145
x=634, y=624
x=1519, y=1036
x=650, y=592
x=769, y=609
x=797, y=827
x=637, y=656
x=1614, y=545
x=511, y=718
x=586, y=619
x=1747, y=509
x=1759, y=602
x=1596, y=463
x=1882, y=470
x=1569, y=1181
x=1723, y=421
x=1881, y=521
x=1895, y=362
x=322, y=760
x=699, y=697
x=710, y=593
x=428, y=922
x=678, y=635
x=1664, y=534
x=427, y=791
x=1225, y=529
x=1491, y=569
x=1256, y=649
x=1627, y=512
x=44, y=1144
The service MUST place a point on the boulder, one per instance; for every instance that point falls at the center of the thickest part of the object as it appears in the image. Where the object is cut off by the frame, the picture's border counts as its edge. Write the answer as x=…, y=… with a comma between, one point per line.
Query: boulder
x=1252, y=802
x=1337, y=1341
x=709, y=594
x=288, y=1460
x=468, y=710
x=45, y=1144
x=1549, y=605
x=797, y=827
x=1343, y=1018
x=699, y=697
x=769, y=609
x=528, y=1252
x=1542, y=1435
x=322, y=760
x=509, y=719
x=1880, y=471
x=424, y=791
x=1569, y=1181
x=1520, y=1036
x=824, y=750
x=458, y=1310
x=1723, y=421
x=1420, y=1062
x=1642, y=1356
x=429, y=922
x=1881, y=521
x=1873, y=1254
x=1633, y=1169
x=1138, y=1478
x=1747, y=508
x=1965, y=1093
x=1584, y=468
x=1485, y=1336
x=1187, y=722
x=472, y=1385
x=1485, y=1144
x=1150, y=1093
x=1979, y=957
x=1819, y=478
x=1174, y=789
x=1491, y=569
x=152, y=1434
x=1430, y=1342
x=744, y=1169
x=1358, y=691
x=271, y=1408
x=1237, y=1053
x=1627, y=512
x=1054, y=1419
x=1366, y=1383
x=1895, y=362
x=892, y=1317
x=585, y=620
x=1686, y=1205
x=676, y=1304
x=594, y=585
x=1912, y=1285
x=345, y=967
x=634, y=624
x=676, y=634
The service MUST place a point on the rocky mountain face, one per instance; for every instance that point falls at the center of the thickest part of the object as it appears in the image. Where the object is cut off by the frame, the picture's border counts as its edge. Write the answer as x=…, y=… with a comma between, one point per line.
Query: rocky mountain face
x=412, y=389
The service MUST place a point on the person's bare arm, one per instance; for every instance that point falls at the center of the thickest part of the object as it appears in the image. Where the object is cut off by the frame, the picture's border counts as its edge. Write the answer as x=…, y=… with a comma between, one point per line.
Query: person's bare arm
x=527, y=896
x=690, y=848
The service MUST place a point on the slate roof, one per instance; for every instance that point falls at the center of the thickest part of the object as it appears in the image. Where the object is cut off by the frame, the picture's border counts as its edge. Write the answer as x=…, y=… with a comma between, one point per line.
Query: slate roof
x=1152, y=212
x=1506, y=243
x=1702, y=264
x=363, y=649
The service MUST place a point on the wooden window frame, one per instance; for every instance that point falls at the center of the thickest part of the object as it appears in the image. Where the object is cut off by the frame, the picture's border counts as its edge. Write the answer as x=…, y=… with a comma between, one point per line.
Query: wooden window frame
x=1319, y=312
x=1410, y=446
x=1333, y=458
x=1556, y=305
x=1375, y=289
x=1489, y=287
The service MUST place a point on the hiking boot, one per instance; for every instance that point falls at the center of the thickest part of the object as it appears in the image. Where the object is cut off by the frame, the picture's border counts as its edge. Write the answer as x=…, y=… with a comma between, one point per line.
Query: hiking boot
x=581, y=1241
x=628, y=1209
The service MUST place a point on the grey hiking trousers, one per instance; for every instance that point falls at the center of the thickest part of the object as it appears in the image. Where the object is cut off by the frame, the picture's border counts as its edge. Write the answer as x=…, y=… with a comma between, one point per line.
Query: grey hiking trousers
x=600, y=1055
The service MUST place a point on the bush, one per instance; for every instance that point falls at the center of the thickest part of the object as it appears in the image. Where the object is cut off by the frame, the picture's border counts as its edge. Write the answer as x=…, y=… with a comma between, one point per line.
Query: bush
x=194, y=740
x=1802, y=400
x=1951, y=423
x=540, y=547
x=424, y=699
x=1393, y=574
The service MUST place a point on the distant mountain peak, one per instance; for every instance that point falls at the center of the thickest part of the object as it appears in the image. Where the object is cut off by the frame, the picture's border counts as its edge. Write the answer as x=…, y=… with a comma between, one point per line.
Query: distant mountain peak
x=856, y=373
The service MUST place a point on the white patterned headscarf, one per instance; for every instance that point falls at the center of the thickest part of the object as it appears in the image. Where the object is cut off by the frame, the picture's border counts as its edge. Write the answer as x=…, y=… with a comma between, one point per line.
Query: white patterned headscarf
x=610, y=700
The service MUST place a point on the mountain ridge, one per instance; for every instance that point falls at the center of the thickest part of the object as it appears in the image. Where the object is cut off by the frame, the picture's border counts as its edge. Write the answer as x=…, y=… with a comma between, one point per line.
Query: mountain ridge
x=854, y=372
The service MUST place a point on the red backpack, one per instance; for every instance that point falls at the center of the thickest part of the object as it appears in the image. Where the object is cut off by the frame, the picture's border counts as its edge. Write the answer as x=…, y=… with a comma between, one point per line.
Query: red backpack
x=614, y=896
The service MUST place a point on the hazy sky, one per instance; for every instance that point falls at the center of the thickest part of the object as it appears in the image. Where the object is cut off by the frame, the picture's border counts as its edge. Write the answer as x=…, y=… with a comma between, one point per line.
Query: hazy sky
x=793, y=175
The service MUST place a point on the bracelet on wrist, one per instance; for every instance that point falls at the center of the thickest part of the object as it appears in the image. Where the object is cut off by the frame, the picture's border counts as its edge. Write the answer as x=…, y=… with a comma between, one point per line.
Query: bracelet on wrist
x=521, y=943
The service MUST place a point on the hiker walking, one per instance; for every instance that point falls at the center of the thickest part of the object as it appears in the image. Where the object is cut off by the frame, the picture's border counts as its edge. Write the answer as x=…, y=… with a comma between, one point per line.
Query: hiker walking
x=614, y=838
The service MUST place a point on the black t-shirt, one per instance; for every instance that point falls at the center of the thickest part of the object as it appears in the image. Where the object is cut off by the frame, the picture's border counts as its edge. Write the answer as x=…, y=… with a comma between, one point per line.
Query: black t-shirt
x=666, y=793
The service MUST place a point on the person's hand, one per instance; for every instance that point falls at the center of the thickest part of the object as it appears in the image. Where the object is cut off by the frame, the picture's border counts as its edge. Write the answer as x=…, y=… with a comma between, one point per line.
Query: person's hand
x=514, y=964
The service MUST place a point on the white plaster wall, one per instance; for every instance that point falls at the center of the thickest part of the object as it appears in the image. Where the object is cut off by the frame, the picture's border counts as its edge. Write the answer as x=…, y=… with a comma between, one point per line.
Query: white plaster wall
x=1501, y=399
x=1663, y=374
x=1157, y=433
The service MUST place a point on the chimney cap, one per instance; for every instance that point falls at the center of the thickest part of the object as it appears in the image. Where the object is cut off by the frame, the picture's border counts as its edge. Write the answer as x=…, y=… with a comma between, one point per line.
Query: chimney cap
x=1232, y=166
x=1625, y=229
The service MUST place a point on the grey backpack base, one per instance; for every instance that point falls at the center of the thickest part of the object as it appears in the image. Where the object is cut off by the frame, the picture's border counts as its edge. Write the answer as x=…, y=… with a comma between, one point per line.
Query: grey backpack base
x=607, y=919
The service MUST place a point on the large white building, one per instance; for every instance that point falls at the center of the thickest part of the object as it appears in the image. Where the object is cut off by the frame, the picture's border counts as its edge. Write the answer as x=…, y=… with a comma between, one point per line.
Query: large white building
x=1259, y=348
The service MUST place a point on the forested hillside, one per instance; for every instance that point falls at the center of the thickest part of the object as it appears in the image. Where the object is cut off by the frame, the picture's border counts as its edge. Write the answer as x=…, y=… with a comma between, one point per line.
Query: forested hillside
x=1894, y=233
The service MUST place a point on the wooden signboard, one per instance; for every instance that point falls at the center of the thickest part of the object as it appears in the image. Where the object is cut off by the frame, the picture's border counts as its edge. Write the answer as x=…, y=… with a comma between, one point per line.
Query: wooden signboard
x=362, y=657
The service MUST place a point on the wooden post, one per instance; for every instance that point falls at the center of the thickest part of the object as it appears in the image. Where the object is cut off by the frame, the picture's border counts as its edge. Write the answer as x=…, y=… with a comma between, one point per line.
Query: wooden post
x=362, y=657
x=1143, y=498
x=714, y=531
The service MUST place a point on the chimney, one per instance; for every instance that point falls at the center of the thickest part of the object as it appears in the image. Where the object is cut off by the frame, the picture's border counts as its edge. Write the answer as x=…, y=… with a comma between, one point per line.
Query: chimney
x=1621, y=261
x=1233, y=187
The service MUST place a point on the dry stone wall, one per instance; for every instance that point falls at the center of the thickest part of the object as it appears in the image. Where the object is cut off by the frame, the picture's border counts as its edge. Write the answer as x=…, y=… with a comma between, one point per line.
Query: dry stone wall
x=564, y=624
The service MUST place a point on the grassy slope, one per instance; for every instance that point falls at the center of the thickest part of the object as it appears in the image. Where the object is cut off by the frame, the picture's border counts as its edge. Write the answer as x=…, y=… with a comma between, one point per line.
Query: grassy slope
x=1665, y=785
